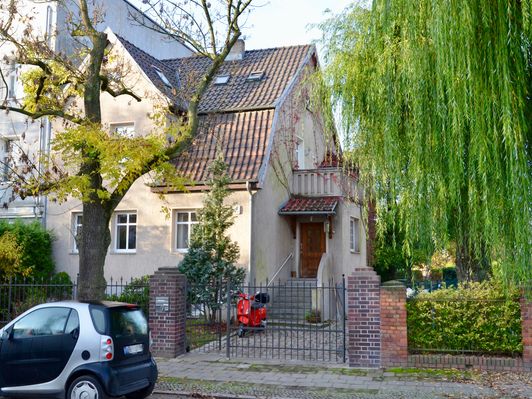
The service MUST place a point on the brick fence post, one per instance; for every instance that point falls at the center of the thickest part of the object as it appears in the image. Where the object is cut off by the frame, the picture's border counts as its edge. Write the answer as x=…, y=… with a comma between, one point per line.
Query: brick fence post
x=526, y=327
x=168, y=312
x=394, y=343
x=363, y=318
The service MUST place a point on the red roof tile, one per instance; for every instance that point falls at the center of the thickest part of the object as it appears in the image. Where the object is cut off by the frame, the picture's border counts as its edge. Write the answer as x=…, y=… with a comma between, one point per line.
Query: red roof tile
x=243, y=138
x=310, y=205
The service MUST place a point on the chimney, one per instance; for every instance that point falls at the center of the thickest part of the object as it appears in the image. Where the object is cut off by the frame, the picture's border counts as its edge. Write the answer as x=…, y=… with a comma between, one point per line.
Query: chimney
x=237, y=51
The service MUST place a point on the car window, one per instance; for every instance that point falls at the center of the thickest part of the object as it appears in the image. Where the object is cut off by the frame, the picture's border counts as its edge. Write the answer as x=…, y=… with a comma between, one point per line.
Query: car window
x=47, y=321
x=126, y=322
x=73, y=322
x=98, y=319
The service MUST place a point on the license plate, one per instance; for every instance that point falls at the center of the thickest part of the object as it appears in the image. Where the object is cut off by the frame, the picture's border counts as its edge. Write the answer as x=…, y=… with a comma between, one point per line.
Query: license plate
x=133, y=349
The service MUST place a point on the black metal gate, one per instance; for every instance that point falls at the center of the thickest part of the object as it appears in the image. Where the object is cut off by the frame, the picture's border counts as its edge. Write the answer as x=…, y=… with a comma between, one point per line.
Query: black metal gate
x=304, y=321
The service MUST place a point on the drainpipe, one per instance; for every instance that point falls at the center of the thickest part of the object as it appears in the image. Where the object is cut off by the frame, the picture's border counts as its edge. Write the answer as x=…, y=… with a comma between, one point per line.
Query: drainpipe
x=251, y=273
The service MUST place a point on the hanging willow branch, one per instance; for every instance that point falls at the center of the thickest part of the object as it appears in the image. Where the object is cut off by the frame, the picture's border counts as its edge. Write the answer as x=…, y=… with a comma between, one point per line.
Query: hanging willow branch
x=434, y=96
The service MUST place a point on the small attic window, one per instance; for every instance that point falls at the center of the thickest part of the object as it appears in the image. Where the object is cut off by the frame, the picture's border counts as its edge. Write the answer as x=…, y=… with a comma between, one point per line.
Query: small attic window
x=162, y=76
x=221, y=79
x=255, y=75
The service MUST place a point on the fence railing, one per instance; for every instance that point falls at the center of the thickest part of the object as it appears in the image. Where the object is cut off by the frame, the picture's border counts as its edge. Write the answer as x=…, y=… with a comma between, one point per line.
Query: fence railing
x=20, y=294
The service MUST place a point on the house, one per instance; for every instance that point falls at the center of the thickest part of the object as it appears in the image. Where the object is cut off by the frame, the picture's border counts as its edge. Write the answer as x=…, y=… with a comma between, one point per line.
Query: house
x=18, y=133
x=297, y=214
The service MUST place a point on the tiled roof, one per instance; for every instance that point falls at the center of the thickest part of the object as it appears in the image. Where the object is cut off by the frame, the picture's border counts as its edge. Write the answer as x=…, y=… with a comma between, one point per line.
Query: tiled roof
x=243, y=138
x=280, y=66
x=310, y=205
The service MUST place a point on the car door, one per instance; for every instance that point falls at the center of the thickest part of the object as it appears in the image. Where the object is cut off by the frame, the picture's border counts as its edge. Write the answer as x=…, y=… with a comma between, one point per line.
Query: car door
x=34, y=351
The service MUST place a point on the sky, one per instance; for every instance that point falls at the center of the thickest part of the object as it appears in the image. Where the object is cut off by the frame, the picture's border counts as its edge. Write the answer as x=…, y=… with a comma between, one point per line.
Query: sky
x=275, y=23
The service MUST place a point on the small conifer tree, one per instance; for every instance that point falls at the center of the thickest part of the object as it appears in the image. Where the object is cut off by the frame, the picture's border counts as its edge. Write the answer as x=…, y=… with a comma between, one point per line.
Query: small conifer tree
x=210, y=261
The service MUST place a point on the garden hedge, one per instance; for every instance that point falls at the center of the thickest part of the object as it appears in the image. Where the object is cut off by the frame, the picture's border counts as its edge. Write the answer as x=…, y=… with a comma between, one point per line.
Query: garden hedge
x=479, y=318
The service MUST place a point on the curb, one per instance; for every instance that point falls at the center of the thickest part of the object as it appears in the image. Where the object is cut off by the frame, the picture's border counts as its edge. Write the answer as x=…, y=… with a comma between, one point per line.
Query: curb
x=202, y=395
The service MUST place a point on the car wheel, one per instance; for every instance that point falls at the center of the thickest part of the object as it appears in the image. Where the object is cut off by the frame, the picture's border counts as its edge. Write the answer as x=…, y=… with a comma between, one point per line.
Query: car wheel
x=86, y=387
x=141, y=394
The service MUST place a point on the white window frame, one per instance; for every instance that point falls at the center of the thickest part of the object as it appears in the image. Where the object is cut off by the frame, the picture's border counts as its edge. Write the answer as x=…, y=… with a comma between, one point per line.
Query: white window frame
x=128, y=224
x=176, y=223
x=354, y=235
x=221, y=79
x=76, y=226
x=124, y=129
x=299, y=152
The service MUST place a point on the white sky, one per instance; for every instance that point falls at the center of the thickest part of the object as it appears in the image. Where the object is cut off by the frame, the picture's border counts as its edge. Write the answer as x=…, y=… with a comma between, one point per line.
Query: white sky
x=284, y=22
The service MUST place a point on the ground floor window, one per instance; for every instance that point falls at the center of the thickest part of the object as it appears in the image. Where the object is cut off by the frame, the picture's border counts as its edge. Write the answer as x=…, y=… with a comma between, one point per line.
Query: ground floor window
x=126, y=232
x=184, y=225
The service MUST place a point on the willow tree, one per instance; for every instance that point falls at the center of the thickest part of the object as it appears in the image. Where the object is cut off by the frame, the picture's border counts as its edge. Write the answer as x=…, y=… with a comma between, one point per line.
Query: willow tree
x=435, y=102
x=102, y=165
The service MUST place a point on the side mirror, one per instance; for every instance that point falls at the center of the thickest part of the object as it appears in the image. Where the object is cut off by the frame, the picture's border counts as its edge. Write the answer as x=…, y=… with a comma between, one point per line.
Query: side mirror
x=5, y=335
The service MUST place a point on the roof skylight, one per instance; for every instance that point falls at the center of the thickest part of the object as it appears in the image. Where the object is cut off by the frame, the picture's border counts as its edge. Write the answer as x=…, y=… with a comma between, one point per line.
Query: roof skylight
x=162, y=76
x=221, y=79
x=255, y=75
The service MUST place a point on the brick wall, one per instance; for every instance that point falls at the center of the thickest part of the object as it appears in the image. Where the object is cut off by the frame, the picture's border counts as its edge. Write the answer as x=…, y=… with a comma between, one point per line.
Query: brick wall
x=526, y=317
x=363, y=318
x=168, y=326
x=394, y=343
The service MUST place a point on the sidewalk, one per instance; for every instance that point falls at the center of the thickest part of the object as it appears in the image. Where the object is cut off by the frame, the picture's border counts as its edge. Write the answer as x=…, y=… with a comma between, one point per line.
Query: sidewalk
x=213, y=374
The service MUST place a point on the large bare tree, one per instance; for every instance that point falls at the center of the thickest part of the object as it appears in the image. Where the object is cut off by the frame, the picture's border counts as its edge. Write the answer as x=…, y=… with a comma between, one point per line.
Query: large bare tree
x=56, y=87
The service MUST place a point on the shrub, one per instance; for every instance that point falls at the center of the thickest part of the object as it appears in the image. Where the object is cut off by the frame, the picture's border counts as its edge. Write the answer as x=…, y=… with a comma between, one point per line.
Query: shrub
x=35, y=244
x=313, y=316
x=478, y=318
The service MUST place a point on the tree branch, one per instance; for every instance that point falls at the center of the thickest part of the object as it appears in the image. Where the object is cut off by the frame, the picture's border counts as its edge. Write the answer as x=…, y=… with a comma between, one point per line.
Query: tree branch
x=50, y=112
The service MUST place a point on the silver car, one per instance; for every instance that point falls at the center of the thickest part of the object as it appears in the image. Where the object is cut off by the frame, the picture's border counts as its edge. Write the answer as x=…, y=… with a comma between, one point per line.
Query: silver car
x=77, y=350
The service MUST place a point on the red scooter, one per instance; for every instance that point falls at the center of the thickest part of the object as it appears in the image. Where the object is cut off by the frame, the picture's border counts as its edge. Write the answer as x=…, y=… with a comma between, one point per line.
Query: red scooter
x=251, y=312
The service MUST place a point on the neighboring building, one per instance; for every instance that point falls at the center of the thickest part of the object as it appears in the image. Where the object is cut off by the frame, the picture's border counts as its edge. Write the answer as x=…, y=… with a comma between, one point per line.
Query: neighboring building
x=296, y=213
x=17, y=132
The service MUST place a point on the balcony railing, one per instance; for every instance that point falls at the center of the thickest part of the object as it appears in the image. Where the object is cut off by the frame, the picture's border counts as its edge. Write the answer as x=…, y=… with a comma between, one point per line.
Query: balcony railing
x=322, y=182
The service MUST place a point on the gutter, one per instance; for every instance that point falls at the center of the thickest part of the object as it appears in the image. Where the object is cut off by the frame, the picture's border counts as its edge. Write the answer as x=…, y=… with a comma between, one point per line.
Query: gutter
x=249, y=186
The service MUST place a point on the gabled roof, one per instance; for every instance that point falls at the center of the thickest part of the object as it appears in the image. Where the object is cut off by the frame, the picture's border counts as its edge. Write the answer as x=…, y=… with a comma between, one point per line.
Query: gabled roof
x=237, y=116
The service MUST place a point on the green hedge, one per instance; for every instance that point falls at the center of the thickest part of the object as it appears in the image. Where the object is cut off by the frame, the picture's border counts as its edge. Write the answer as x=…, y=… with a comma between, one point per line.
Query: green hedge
x=478, y=318
x=36, y=245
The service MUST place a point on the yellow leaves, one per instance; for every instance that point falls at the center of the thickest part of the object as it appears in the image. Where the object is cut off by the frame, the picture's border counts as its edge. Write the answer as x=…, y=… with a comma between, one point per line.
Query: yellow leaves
x=11, y=256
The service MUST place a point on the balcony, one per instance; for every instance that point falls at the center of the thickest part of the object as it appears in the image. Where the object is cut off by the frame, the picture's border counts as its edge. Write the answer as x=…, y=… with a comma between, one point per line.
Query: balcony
x=323, y=182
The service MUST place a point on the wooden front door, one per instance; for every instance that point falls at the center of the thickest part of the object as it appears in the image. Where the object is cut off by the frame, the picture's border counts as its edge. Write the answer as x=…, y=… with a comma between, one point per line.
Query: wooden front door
x=311, y=249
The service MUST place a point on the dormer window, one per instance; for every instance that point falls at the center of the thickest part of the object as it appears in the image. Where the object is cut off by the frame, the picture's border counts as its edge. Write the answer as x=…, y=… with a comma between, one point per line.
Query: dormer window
x=221, y=79
x=255, y=75
x=162, y=76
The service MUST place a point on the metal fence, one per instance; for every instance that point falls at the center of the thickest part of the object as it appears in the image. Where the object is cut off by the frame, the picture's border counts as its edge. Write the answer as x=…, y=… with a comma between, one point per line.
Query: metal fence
x=20, y=294
x=301, y=320
x=464, y=326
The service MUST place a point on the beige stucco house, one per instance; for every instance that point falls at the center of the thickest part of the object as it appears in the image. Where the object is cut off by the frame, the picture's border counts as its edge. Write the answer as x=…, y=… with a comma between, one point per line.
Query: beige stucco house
x=297, y=214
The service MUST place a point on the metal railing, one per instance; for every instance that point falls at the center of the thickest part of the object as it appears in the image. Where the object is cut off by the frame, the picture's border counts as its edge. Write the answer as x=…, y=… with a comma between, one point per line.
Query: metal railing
x=290, y=256
x=20, y=294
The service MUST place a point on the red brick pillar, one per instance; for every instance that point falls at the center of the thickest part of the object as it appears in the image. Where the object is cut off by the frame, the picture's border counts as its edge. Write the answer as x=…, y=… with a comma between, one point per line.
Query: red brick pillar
x=363, y=318
x=526, y=327
x=394, y=343
x=168, y=312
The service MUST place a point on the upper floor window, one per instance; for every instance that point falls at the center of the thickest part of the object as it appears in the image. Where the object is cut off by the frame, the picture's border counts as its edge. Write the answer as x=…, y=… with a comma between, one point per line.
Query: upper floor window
x=300, y=153
x=184, y=225
x=126, y=232
x=10, y=158
x=354, y=235
x=49, y=25
x=76, y=230
x=124, y=129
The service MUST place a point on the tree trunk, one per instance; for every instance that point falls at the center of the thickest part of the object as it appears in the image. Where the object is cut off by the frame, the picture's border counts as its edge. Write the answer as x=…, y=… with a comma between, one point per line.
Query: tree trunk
x=95, y=239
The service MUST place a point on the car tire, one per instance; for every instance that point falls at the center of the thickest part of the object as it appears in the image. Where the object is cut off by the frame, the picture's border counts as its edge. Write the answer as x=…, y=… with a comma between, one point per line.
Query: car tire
x=142, y=393
x=86, y=386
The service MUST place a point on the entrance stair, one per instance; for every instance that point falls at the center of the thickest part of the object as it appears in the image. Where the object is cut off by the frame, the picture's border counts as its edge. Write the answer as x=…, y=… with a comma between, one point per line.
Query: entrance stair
x=291, y=300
